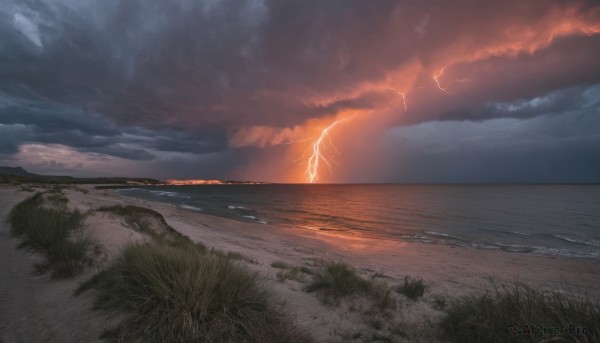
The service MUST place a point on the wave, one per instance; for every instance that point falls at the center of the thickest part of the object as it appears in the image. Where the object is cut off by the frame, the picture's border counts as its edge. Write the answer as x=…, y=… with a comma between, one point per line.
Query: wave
x=564, y=252
x=188, y=207
x=581, y=240
x=519, y=233
x=512, y=247
x=439, y=234
x=169, y=194
x=249, y=217
x=446, y=239
x=536, y=250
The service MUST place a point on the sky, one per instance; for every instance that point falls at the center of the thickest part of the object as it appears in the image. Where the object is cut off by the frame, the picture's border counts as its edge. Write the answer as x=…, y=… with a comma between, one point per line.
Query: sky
x=435, y=91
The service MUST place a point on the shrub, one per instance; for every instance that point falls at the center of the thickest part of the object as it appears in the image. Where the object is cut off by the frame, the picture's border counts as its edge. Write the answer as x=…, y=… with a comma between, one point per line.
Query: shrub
x=488, y=317
x=175, y=295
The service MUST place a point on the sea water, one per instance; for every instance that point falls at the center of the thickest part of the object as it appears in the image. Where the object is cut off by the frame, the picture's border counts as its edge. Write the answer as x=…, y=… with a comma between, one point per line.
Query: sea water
x=538, y=219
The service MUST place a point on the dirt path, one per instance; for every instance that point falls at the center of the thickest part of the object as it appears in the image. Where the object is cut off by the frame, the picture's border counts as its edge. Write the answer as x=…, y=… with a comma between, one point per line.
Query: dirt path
x=35, y=308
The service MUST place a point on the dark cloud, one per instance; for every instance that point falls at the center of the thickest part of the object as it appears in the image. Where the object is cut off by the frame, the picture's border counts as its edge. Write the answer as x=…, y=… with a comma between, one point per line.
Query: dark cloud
x=145, y=80
x=558, y=147
x=34, y=121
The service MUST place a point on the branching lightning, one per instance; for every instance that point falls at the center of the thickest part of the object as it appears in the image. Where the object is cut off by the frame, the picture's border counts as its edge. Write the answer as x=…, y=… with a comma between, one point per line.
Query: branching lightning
x=318, y=155
x=403, y=97
x=437, y=81
x=436, y=78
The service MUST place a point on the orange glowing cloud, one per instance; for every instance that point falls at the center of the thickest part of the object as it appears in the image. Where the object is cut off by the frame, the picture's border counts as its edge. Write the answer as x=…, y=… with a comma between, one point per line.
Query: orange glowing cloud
x=263, y=136
x=510, y=38
x=388, y=95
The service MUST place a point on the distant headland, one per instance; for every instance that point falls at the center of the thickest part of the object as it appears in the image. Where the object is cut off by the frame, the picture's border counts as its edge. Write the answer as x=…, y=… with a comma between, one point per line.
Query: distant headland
x=19, y=175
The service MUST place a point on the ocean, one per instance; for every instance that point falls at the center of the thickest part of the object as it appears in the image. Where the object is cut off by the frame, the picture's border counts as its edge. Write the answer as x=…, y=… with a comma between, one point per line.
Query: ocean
x=553, y=220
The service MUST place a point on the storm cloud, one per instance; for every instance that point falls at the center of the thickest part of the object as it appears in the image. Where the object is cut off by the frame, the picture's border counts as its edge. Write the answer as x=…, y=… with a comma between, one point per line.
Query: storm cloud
x=238, y=89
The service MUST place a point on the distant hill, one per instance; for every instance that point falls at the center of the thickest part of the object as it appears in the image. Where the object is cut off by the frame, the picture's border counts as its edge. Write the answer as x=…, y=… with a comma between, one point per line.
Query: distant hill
x=18, y=171
x=20, y=175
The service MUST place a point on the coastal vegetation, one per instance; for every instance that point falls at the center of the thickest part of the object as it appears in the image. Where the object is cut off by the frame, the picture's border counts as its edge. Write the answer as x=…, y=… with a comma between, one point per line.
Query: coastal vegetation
x=169, y=288
x=174, y=290
x=151, y=223
x=45, y=226
x=338, y=280
x=289, y=272
x=411, y=287
x=519, y=312
x=182, y=295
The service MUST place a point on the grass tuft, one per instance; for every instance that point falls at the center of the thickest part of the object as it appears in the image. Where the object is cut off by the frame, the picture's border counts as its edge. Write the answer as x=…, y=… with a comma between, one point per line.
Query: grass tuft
x=383, y=295
x=153, y=224
x=56, y=197
x=495, y=315
x=54, y=233
x=413, y=288
x=140, y=219
x=230, y=255
x=289, y=272
x=336, y=281
x=181, y=295
x=297, y=274
x=279, y=265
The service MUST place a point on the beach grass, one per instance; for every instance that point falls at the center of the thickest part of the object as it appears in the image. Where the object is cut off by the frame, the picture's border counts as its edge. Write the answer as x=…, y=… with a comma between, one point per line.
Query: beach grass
x=501, y=315
x=153, y=224
x=138, y=218
x=279, y=265
x=413, y=288
x=181, y=295
x=54, y=233
x=336, y=281
x=339, y=280
x=232, y=255
x=383, y=295
x=296, y=273
x=289, y=272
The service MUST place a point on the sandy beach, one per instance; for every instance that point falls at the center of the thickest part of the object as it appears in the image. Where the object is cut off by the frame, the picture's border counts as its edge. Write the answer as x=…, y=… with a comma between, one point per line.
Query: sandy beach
x=35, y=308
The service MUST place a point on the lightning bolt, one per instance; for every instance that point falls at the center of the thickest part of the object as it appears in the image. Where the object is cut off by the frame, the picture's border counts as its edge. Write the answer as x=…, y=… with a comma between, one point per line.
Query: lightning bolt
x=318, y=155
x=437, y=81
x=403, y=97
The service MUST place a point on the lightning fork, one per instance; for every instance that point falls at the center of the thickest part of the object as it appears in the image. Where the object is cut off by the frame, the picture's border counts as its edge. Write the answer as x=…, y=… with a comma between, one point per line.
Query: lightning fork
x=437, y=81
x=318, y=155
x=403, y=97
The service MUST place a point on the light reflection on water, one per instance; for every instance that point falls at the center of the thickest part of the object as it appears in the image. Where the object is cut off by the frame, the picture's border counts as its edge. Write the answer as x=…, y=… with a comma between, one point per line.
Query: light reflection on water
x=547, y=220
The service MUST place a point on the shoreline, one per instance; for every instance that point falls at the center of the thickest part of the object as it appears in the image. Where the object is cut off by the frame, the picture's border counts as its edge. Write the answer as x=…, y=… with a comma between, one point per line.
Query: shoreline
x=378, y=250
x=445, y=270
x=562, y=240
